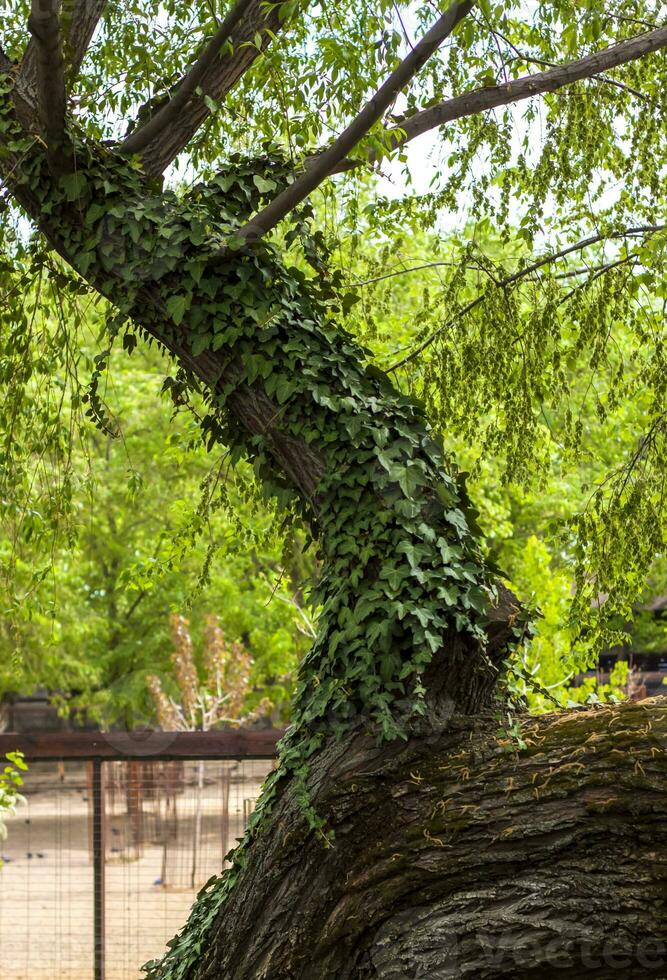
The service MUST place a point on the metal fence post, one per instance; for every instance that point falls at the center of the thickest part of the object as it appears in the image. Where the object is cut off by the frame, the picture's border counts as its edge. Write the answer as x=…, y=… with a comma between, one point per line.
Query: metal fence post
x=99, y=848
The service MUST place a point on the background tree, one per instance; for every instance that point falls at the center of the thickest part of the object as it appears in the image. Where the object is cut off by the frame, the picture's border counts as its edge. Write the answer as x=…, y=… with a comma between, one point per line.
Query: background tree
x=233, y=279
x=151, y=523
x=221, y=697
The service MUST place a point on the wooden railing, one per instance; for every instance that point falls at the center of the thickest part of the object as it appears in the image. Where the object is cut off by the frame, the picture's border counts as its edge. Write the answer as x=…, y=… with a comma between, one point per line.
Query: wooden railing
x=157, y=745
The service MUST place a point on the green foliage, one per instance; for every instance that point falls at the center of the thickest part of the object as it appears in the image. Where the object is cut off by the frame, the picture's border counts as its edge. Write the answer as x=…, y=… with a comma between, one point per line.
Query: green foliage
x=592, y=692
x=107, y=530
x=11, y=780
x=373, y=641
x=649, y=634
x=153, y=524
x=552, y=657
x=541, y=671
x=565, y=419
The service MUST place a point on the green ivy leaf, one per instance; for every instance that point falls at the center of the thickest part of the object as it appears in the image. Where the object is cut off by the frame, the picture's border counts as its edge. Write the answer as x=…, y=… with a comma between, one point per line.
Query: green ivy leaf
x=176, y=307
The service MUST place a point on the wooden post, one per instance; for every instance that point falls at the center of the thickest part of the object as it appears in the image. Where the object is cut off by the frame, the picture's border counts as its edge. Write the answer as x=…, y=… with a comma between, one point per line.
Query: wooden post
x=134, y=803
x=99, y=860
x=224, y=822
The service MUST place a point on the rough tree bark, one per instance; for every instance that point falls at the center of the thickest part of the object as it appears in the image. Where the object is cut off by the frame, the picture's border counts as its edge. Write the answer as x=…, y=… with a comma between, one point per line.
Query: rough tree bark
x=458, y=855
x=455, y=855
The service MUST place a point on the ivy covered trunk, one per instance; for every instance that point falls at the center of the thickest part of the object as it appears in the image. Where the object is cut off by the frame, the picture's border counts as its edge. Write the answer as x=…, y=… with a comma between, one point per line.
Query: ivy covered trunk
x=396, y=828
x=460, y=855
x=404, y=581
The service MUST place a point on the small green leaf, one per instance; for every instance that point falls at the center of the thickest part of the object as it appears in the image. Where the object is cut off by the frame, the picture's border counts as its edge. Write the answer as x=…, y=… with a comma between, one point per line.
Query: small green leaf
x=200, y=343
x=263, y=185
x=176, y=307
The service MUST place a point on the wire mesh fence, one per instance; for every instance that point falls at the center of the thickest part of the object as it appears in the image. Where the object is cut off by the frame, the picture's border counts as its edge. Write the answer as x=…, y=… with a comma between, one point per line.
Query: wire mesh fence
x=103, y=862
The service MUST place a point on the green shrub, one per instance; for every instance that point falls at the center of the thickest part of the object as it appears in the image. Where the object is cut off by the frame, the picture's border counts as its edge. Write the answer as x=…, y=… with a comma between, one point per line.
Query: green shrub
x=11, y=780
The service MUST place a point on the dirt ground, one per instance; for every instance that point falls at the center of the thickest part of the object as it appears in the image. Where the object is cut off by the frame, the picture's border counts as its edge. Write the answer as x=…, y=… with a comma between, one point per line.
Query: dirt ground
x=46, y=883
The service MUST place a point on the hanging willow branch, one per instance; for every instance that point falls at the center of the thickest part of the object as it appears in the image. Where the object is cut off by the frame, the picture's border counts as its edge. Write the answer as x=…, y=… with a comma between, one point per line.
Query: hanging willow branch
x=525, y=273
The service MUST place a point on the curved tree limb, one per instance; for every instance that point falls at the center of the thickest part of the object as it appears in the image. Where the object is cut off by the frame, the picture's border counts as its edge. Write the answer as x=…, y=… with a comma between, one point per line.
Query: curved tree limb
x=44, y=25
x=491, y=97
x=465, y=855
x=605, y=79
x=324, y=164
x=142, y=137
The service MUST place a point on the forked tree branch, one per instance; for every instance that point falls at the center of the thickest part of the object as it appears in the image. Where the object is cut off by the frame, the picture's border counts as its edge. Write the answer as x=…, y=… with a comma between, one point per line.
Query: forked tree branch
x=257, y=20
x=80, y=18
x=323, y=165
x=44, y=25
x=187, y=87
x=479, y=100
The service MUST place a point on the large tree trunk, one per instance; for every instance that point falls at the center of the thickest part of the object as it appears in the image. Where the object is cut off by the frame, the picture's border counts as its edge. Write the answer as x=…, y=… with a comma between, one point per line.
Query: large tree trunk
x=460, y=855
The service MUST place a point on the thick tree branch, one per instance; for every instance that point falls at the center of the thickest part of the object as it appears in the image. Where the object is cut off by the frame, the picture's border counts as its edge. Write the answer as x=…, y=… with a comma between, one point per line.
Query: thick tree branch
x=324, y=164
x=220, y=75
x=80, y=18
x=44, y=25
x=187, y=87
x=480, y=100
x=521, y=56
